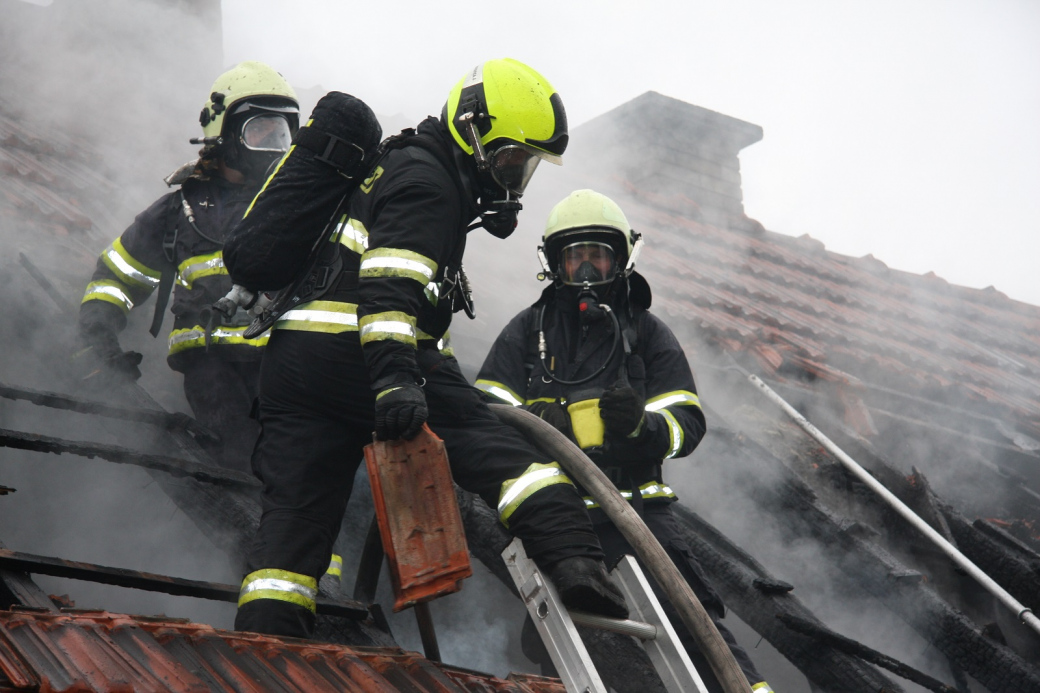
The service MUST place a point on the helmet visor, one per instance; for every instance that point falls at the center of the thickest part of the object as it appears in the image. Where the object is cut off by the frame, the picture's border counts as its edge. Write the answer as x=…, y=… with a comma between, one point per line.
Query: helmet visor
x=587, y=262
x=512, y=167
x=267, y=133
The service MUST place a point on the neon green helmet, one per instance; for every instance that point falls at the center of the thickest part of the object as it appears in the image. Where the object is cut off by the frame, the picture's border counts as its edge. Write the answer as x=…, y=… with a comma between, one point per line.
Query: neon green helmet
x=590, y=218
x=507, y=103
x=251, y=81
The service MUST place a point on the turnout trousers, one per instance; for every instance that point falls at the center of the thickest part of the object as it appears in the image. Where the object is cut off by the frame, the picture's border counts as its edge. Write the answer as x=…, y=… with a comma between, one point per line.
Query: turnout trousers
x=221, y=395
x=661, y=523
x=316, y=416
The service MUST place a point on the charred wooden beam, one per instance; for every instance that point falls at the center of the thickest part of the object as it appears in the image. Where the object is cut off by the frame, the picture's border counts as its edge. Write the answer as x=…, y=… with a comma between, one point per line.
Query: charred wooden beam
x=18, y=589
x=777, y=490
x=172, y=421
x=151, y=582
x=840, y=642
x=113, y=453
x=760, y=599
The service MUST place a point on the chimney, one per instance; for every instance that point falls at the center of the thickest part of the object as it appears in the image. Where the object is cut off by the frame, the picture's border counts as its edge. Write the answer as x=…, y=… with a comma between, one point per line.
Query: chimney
x=667, y=147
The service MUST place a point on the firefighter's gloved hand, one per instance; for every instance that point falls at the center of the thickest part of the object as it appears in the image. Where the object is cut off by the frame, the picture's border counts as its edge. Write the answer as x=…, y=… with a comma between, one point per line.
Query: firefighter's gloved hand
x=400, y=411
x=126, y=363
x=622, y=409
x=553, y=414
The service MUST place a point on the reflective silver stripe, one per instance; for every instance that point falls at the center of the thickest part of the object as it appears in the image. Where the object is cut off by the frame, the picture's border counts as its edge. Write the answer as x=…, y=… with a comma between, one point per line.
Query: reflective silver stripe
x=308, y=315
x=200, y=266
x=676, y=433
x=353, y=238
x=433, y=293
x=498, y=390
x=279, y=586
x=670, y=398
x=370, y=263
x=110, y=290
x=524, y=482
x=390, y=326
x=128, y=270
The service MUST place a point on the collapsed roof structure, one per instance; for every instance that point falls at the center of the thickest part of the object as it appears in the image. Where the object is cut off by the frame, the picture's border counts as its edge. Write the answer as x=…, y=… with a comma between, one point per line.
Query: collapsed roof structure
x=932, y=387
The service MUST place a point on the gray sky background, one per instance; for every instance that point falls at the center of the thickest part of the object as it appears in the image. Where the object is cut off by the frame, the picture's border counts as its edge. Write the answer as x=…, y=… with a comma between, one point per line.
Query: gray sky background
x=909, y=130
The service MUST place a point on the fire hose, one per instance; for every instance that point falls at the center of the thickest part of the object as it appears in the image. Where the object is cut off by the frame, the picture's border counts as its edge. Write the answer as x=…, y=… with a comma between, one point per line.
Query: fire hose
x=1024, y=614
x=583, y=471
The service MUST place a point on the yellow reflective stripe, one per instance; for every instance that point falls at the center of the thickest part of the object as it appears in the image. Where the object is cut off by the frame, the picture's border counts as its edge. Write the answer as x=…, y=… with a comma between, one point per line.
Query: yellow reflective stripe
x=534, y=479
x=397, y=262
x=335, y=566
x=273, y=174
x=649, y=490
x=332, y=317
x=433, y=293
x=126, y=267
x=352, y=235
x=393, y=325
x=762, y=687
x=539, y=399
x=280, y=585
x=200, y=266
x=194, y=337
x=443, y=344
x=109, y=291
x=675, y=433
x=677, y=397
x=498, y=390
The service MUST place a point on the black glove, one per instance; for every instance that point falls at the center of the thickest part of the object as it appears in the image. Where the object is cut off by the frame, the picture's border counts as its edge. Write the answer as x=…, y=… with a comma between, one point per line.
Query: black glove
x=125, y=363
x=400, y=411
x=553, y=414
x=622, y=411
x=104, y=345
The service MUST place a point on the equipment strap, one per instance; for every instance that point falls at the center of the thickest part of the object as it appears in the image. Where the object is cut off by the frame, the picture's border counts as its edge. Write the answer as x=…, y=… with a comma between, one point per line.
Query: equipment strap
x=169, y=273
x=346, y=157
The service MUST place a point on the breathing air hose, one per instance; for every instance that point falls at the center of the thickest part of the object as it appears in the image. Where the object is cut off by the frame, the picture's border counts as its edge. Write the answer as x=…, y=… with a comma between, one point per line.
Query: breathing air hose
x=583, y=471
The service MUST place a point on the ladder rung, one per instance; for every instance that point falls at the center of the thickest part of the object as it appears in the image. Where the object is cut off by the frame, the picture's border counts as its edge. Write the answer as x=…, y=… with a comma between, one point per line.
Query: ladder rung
x=637, y=629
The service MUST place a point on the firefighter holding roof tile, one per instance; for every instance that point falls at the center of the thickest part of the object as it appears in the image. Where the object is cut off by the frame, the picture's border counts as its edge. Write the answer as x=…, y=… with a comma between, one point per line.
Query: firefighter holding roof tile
x=590, y=359
x=247, y=124
x=371, y=352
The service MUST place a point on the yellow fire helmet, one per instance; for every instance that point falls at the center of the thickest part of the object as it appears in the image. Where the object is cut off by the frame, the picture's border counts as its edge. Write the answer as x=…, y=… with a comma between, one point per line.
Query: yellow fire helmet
x=591, y=217
x=507, y=103
x=249, y=80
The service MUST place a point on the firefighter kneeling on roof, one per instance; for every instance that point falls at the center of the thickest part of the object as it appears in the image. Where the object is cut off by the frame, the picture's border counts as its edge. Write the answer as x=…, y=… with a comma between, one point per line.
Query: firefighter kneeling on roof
x=591, y=360
x=247, y=124
x=373, y=353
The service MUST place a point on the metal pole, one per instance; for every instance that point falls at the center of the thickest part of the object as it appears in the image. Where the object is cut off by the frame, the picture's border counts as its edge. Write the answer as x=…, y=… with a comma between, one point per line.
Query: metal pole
x=1024, y=613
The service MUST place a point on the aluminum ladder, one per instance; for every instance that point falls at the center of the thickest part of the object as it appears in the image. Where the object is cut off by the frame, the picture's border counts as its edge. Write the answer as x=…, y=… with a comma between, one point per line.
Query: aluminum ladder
x=556, y=625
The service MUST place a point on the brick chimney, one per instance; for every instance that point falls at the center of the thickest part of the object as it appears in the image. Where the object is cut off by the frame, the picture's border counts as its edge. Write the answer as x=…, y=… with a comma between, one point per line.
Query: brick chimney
x=665, y=146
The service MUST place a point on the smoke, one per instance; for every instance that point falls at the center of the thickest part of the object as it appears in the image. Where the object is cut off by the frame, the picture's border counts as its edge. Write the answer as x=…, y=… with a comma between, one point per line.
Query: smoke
x=97, y=102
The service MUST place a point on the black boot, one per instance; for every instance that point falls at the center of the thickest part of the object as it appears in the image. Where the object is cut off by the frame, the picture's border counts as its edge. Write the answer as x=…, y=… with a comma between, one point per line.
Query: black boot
x=584, y=585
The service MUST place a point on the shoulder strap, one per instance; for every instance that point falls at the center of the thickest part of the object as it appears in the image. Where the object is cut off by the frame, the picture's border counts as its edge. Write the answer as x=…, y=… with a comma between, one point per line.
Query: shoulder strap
x=169, y=245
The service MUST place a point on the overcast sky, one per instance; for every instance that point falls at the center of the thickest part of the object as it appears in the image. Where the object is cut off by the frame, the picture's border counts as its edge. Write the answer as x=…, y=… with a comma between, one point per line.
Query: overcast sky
x=908, y=129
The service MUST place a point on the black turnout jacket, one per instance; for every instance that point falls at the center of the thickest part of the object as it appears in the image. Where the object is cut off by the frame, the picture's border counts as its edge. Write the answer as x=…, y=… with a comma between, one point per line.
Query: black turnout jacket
x=129, y=269
x=656, y=368
x=401, y=244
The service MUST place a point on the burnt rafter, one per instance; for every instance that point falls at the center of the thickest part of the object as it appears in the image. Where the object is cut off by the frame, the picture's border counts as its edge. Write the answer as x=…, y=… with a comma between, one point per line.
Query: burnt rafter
x=839, y=642
x=122, y=577
x=759, y=600
x=867, y=567
x=171, y=421
x=114, y=453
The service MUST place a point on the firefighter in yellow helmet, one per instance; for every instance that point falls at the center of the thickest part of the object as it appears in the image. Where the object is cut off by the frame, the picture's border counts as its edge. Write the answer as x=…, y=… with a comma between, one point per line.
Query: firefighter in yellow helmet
x=248, y=122
x=589, y=358
x=373, y=353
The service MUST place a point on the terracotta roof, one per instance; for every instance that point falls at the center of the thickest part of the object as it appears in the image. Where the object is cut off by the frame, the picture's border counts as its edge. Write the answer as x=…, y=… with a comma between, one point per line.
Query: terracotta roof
x=102, y=651
x=47, y=182
x=911, y=332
